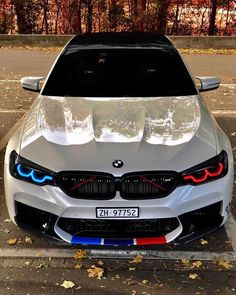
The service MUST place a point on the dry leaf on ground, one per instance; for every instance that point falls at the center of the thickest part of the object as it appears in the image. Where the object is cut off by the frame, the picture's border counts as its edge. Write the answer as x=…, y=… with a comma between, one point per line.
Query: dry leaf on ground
x=226, y=264
x=80, y=254
x=193, y=276
x=12, y=241
x=203, y=242
x=95, y=272
x=197, y=264
x=28, y=240
x=137, y=259
x=130, y=281
x=100, y=262
x=27, y=263
x=78, y=266
x=67, y=284
x=7, y=231
x=185, y=261
x=144, y=282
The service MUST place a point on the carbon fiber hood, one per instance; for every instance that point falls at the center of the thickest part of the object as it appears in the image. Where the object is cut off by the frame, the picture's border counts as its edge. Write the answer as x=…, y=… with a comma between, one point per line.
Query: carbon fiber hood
x=157, y=133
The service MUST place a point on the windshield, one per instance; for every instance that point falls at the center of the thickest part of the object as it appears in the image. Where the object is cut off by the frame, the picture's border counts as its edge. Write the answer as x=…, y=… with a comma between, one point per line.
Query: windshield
x=135, y=72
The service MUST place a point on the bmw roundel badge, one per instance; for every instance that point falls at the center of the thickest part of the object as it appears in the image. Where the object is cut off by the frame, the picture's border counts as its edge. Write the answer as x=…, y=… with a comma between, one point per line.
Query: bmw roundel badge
x=118, y=163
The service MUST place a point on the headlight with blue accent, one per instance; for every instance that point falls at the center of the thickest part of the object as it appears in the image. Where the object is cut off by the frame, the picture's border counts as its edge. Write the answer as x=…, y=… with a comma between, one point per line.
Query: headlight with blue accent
x=30, y=172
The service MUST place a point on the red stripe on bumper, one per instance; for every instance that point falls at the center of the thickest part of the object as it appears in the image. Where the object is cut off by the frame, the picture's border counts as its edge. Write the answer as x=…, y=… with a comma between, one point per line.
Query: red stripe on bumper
x=151, y=241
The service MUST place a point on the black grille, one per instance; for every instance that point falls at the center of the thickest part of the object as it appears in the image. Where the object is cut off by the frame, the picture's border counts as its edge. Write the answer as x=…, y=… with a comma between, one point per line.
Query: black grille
x=142, y=185
x=118, y=228
x=87, y=185
x=147, y=186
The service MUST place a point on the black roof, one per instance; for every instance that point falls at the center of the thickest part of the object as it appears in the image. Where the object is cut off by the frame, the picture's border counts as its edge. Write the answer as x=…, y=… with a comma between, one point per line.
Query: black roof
x=121, y=39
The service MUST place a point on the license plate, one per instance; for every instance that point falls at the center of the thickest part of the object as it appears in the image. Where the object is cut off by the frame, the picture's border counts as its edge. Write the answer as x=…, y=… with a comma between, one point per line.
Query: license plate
x=117, y=212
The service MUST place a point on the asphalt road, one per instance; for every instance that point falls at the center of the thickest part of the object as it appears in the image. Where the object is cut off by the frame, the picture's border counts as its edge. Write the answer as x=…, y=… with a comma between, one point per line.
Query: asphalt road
x=14, y=102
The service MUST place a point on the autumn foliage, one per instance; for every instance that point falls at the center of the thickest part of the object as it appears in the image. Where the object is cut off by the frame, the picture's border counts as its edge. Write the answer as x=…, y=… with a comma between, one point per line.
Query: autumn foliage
x=174, y=17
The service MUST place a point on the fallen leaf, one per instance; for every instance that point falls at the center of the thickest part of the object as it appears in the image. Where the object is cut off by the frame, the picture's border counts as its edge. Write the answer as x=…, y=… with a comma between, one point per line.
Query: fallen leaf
x=193, y=276
x=78, y=266
x=130, y=281
x=67, y=284
x=28, y=240
x=79, y=287
x=12, y=241
x=43, y=265
x=137, y=259
x=80, y=254
x=226, y=264
x=7, y=231
x=95, y=272
x=197, y=264
x=144, y=282
x=203, y=242
x=185, y=261
x=100, y=262
x=27, y=263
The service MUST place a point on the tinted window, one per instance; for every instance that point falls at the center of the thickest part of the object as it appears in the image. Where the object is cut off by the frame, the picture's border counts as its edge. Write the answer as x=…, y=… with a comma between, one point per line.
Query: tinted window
x=119, y=72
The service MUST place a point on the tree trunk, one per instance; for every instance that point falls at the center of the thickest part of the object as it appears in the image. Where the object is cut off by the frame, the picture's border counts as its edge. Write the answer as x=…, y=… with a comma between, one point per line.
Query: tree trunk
x=212, y=28
x=45, y=16
x=202, y=22
x=162, y=16
x=227, y=18
x=24, y=26
x=79, y=17
x=175, y=24
x=89, y=16
x=57, y=16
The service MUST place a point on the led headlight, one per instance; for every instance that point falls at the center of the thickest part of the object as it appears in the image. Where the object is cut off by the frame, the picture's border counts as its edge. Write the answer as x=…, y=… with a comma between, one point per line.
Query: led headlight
x=28, y=171
x=210, y=170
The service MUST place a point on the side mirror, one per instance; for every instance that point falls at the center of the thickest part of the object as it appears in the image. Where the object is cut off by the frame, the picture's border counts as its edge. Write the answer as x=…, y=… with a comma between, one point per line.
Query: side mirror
x=208, y=83
x=31, y=83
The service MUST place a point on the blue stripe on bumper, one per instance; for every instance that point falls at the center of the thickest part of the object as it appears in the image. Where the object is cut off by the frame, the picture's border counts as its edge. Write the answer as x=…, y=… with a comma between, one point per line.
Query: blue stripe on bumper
x=99, y=241
x=86, y=241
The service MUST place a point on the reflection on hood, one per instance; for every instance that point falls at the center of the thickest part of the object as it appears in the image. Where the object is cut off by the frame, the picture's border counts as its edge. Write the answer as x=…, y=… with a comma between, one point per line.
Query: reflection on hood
x=75, y=121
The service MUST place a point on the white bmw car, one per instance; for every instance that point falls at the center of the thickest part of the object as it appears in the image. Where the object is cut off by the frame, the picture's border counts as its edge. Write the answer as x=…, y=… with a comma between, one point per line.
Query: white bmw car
x=119, y=148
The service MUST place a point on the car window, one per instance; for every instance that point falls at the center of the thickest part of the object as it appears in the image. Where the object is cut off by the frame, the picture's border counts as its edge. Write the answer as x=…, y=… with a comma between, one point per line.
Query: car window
x=119, y=73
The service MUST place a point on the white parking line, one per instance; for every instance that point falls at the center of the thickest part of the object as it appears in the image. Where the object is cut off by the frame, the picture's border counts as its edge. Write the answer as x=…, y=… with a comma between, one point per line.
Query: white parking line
x=9, y=81
x=13, y=111
x=223, y=112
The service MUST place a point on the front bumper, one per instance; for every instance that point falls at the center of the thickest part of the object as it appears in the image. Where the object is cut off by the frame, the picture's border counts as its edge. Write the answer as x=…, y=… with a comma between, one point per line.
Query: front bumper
x=181, y=204
x=183, y=228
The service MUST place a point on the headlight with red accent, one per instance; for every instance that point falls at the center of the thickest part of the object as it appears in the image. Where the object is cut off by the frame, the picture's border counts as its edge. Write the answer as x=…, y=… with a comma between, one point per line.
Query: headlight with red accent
x=210, y=170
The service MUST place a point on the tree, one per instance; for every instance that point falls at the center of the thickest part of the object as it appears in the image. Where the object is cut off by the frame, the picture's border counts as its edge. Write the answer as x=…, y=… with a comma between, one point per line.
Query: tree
x=27, y=13
x=163, y=6
x=212, y=27
x=6, y=16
